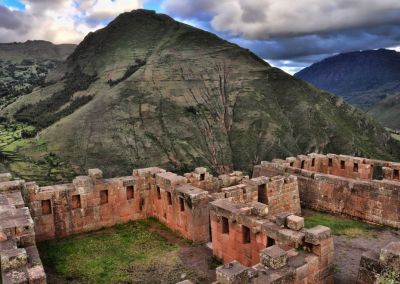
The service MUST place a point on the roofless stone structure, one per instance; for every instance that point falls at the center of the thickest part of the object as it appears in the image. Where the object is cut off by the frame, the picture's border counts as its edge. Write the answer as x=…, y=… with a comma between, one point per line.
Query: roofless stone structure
x=254, y=224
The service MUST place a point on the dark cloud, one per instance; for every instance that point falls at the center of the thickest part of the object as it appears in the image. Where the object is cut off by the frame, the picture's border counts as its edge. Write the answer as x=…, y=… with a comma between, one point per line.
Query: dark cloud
x=293, y=34
x=9, y=19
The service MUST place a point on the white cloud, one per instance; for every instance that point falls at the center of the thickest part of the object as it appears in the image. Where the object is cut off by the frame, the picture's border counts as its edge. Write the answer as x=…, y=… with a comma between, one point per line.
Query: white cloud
x=105, y=9
x=262, y=19
x=60, y=21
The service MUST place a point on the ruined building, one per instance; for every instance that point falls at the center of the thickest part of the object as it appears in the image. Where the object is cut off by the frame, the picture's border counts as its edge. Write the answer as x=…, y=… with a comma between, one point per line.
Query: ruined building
x=254, y=225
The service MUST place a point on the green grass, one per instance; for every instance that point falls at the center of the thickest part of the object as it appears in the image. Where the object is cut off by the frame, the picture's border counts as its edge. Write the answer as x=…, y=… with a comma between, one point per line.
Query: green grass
x=29, y=158
x=129, y=253
x=342, y=226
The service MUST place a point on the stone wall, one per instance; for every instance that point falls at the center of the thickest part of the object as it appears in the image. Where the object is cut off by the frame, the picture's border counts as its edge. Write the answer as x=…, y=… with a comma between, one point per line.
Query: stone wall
x=91, y=202
x=375, y=266
x=19, y=257
x=345, y=166
x=202, y=179
x=376, y=201
x=277, y=252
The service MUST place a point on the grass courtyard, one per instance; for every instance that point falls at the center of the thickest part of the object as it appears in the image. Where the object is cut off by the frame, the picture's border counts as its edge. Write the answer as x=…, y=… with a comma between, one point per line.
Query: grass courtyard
x=136, y=252
x=341, y=226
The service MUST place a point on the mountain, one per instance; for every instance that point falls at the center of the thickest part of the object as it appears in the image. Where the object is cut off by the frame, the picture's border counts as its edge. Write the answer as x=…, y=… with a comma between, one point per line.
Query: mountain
x=387, y=111
x=148, y=90
x=35, y=50
x=24, y=66
x=367, y=79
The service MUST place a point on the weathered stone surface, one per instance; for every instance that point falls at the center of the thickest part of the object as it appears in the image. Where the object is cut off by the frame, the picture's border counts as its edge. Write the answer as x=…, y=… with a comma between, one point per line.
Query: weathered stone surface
x=342, y=184
x=11, y=185
x=259, y=209
x=3, y=237
x=280, y=219
x=274, y=257
x=37, y=275
x=13, y=259
x=390, y=256
x=295, y=222
x=185, y=282
x=95, y=173
x=317, y=234
x=232, y=273
x=5, y=177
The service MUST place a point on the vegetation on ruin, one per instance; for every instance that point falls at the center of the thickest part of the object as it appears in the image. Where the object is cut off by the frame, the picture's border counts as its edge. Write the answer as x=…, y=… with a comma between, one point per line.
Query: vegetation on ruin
x=136, y=252
x=342, y=226
x=391, y=277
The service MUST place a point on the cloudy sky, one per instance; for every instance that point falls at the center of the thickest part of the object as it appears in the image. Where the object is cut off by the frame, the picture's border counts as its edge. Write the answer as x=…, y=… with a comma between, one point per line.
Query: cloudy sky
x=288, y=34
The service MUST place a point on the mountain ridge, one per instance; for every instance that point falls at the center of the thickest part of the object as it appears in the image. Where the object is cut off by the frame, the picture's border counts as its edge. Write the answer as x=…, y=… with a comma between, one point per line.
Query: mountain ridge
x=148, y=90
x=367, y=79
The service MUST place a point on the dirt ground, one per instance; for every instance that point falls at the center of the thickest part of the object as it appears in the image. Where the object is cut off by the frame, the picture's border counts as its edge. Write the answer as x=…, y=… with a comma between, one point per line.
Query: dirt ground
x=348, y=251
x=193, y=257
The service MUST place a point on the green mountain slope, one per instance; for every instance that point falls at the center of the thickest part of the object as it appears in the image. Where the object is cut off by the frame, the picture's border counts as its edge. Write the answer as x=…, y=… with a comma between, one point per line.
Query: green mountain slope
x=387, y=111
x=147, y=90
x=24, y=66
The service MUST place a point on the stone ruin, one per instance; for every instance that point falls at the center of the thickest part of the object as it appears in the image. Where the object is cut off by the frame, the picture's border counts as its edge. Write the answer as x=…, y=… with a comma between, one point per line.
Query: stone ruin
x=253, y=224
x=359, y=188
x=374, y=265
x=19, y=257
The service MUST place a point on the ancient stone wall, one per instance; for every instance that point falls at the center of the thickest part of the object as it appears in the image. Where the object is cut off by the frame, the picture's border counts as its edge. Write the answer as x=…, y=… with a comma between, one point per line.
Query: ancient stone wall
x=19, y=257
x=345, y=166
x=280, y=193
x=376, y=266
x=375, y=201
x=91, y=202
x=202, y=179
x=278, y=252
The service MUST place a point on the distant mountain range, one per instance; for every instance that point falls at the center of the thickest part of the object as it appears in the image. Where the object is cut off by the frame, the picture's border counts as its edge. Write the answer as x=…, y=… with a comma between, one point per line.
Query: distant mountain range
x=147, y=90
x=35, y=50
x=24, y=66
x=368, y=79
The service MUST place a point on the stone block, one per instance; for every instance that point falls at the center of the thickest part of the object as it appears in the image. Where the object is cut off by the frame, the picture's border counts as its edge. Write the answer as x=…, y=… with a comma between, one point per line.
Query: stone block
x=390, y=255
x=317, y=234
x=37, y=275
x=232, y=273
x=274, y=257
x=293, y=238
x=200, y=170
x=284, y=275
x=5, y=177
x=17, y=276
x=12, y=185
x=83, y=184
x=259, y=209
x=95, y=173
x=280, y=219
x=370, y=261
x=13, y=259
x=3, y=237
x=295, y=222
x=271, y=230
x=185, y=282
